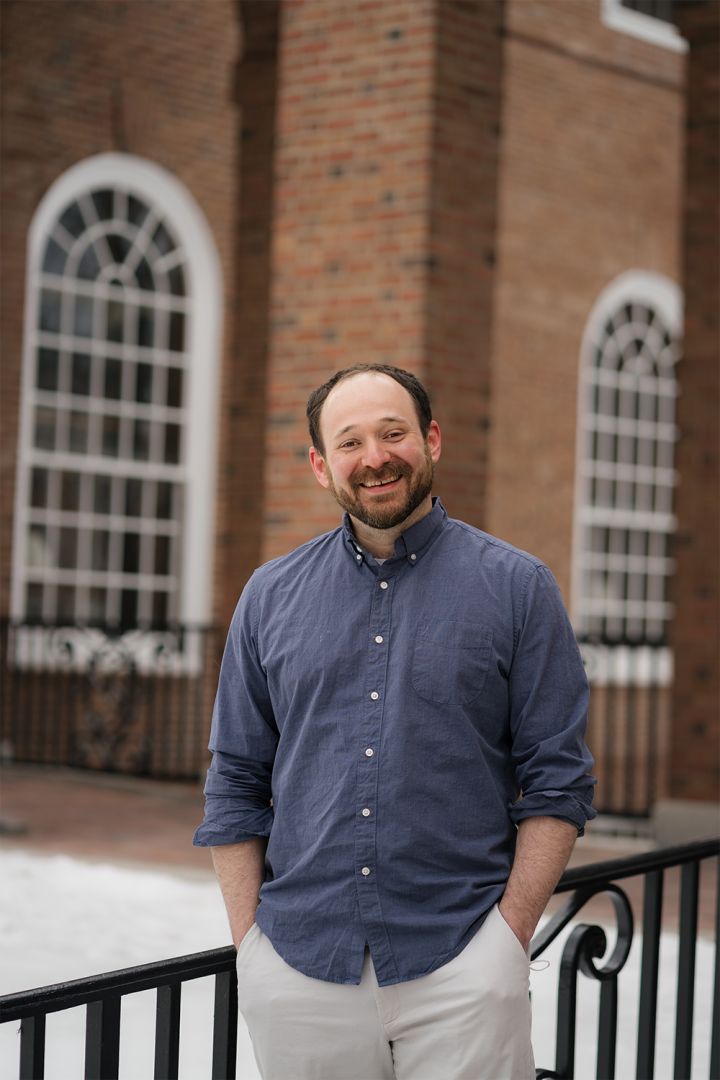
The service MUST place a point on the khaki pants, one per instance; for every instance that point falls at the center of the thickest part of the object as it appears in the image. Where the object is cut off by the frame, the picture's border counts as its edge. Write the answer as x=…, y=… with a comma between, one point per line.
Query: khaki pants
x=469, y=1020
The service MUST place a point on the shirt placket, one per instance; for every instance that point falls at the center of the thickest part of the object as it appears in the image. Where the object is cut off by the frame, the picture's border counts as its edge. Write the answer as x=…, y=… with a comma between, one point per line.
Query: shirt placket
x=370, y=763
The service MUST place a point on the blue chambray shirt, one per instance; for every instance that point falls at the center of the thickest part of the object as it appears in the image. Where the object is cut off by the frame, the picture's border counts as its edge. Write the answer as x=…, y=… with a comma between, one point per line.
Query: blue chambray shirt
x=394, y=713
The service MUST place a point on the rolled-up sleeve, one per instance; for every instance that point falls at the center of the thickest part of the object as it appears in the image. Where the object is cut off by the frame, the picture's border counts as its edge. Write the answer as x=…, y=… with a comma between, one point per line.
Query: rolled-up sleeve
x=243, y=740
x=549, y=697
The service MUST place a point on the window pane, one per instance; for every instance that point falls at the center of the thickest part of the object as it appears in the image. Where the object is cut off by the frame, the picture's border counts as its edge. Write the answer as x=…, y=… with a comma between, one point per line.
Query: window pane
x=89, y=267
x=137, y=211
x=45, y=428
x=37, y=547
x=177, y=281
x=159, y=610
x=162, y=555
x=115, y=320
x=103, y=201
x=70, y=491
x=103, y=495
x=164, y=500
x=113, y=379
x=133, y=498
x=55, y=258
x=81, y=366
x=78, y=432
x=143, y=383
x=50, y=311
x=144, y=276
x=66, y=603
x=98, y=605
x=39, y=487
x=48, y=363
x=141, y=440
x=119, y=246
x=83, y=316
x=34, y=601
x=111, y=436
x=131, y=553
x=146, y=327
x=174, y=387
x=172, y=444
x=177, y=331
x=73, y=221
x=100, y=550
x=128, y=608
x=67, y=550
x=163, y=240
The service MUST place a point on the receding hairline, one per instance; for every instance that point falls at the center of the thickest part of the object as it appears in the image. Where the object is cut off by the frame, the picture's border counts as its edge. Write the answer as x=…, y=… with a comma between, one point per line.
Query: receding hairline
x=385, y=419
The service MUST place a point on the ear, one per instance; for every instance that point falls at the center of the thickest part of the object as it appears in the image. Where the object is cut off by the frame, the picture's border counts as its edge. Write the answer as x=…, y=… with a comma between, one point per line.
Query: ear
x=434, y=440
x=317, y=461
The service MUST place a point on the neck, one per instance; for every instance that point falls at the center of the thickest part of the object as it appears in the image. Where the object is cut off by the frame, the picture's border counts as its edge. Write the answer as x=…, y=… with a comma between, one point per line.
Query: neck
x=381, y=542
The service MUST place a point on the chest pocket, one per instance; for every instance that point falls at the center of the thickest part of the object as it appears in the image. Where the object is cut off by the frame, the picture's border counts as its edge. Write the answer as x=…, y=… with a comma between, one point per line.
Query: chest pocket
x=451, y=661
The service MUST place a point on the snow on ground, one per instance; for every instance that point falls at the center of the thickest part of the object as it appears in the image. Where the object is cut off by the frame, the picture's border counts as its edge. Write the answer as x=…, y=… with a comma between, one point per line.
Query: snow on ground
x=63, y=918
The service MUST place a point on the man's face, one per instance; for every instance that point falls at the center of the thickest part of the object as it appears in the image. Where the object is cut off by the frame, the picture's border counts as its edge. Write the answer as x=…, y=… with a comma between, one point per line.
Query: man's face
x=376, y=462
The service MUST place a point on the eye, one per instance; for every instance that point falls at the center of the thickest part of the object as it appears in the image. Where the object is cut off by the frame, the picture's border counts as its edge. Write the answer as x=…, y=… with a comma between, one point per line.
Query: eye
x=348, y=445
x=394, y=435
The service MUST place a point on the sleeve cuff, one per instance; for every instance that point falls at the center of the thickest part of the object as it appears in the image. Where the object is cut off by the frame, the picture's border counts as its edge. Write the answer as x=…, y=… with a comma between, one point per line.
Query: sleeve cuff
x=560, y=804
x=233, y=827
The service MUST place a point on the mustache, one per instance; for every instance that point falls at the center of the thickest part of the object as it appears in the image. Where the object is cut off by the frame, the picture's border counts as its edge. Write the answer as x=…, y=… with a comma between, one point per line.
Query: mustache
x=387, y=472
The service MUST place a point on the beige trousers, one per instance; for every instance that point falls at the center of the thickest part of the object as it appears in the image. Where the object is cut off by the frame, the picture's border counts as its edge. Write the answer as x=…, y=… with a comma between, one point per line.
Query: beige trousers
x=469, y=1020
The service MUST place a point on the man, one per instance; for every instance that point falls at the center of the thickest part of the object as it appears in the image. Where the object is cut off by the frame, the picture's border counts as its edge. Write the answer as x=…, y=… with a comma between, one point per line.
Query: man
x=388, y=692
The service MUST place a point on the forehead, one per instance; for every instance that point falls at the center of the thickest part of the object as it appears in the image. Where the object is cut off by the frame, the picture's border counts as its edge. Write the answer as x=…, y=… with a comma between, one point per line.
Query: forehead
x=366, y=398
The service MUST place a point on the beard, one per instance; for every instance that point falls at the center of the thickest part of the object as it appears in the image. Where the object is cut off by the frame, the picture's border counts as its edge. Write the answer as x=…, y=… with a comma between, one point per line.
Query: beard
x=380, y=515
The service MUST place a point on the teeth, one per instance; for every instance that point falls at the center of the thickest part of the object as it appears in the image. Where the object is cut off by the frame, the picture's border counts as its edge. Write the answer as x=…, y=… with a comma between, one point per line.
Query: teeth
x=379, y=483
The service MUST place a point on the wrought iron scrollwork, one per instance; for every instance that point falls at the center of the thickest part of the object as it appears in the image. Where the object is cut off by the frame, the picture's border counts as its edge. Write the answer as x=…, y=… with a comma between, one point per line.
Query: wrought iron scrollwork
x=584, y=945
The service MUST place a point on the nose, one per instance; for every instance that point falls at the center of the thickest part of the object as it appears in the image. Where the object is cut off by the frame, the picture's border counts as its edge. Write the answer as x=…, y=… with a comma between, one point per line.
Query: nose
x=375, y=454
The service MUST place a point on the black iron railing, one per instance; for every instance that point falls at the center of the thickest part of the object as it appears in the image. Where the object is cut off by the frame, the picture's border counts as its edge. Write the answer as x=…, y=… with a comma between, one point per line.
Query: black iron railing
x=102, y=993
x=133, y=701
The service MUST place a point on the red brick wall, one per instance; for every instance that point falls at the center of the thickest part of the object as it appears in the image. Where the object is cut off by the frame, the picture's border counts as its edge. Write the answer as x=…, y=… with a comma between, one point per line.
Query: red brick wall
x=384, y=228
x=696, y=587
x=81, y=79
x=590, y=180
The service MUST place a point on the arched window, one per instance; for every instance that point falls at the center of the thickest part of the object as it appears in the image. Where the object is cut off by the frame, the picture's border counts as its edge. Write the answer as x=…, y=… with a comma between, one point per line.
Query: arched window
x=115, y=482
x=625, y=474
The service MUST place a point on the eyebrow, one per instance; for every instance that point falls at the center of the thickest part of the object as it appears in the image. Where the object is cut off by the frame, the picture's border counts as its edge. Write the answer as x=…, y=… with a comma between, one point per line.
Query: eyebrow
x=384, y=420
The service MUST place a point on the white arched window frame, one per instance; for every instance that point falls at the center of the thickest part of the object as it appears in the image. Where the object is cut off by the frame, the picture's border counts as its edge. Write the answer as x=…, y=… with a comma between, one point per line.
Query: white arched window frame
x=182, y=419
x=624, y=467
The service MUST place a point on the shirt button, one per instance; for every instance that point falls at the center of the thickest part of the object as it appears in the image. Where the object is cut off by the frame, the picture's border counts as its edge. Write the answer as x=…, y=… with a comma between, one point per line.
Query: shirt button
x=366, y=812
x=379, y=640
x=369, y=752
x=359, y=558
x=413, y=557
x=374, y=696
x=365, y=871
x=383, y=584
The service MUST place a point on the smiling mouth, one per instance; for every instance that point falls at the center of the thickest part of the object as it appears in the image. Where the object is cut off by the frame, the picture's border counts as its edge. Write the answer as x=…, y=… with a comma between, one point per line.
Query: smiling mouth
x=380, y=483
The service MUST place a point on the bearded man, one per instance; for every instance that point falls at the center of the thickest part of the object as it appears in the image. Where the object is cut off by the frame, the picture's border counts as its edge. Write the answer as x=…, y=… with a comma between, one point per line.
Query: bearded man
x=399, y=772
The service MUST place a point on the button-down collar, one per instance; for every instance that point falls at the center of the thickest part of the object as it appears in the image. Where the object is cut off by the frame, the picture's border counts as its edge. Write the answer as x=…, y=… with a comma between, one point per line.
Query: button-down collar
x=412, y=544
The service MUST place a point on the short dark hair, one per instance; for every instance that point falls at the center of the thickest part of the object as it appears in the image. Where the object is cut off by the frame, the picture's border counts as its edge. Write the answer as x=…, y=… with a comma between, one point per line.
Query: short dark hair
x=406, y=379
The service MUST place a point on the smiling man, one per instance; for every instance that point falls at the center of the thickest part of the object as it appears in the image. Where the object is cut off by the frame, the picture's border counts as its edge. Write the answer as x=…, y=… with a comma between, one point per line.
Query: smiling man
x=399, y=772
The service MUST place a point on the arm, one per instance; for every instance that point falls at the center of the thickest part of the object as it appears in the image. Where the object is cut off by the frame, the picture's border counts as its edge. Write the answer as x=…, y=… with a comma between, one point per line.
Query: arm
x=240, y=870
x=544, y=845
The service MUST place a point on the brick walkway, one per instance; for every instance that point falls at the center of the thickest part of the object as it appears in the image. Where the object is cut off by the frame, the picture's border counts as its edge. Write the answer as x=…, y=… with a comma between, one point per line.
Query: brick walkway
x=128, y=820
x=103, y=816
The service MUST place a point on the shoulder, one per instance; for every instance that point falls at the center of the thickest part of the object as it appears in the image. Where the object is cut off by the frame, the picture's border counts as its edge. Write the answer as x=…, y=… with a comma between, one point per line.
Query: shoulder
x=492, y=549
x=284, y=569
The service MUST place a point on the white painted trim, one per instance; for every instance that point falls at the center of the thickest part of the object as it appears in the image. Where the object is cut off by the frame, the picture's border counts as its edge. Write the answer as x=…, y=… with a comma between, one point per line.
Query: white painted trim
x=663, y=295
x=644, y=27
x=203, y=346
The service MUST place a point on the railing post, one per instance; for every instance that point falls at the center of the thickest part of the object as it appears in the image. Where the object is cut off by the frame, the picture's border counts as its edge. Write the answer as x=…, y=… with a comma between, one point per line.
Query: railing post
x=607, y=1030
x=167, y=1032
x=652, y=924
x=102, y=1039
x=32, y=1048
x=225, y=1029
x=689, y=889
x=715, y=1038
